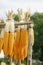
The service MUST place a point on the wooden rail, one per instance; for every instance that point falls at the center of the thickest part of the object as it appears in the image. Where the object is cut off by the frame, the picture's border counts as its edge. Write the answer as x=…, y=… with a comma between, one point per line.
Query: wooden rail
x=17, y=23
x=2, y=25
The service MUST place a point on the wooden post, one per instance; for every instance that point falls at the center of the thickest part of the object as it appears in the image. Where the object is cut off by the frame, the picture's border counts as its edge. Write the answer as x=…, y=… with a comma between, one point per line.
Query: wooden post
x=29, y=55
x=10, y=61
x=19, y=62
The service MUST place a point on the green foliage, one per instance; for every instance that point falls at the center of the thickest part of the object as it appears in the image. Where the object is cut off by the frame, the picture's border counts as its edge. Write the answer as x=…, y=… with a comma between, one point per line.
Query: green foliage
x=16, y=17
x=4, y=60
x=38, y=28
x=7, y=61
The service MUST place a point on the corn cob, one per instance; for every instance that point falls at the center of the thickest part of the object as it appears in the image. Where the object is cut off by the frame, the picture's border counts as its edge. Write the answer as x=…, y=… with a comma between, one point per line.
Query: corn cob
x=1, y=39
x=16, y=57
x=5, y=46
x=1, y=44
x=21, y=54
x=24, y=38
x=6, y=39
x=11, y=43
x=11, y=39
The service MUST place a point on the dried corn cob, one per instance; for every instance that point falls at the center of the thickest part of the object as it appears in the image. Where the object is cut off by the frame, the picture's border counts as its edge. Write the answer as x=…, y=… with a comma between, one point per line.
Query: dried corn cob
x=6, y=39
x=11, y=39
x=1, y=39
x=11, y=43
x=5, y=46
x=1, y=44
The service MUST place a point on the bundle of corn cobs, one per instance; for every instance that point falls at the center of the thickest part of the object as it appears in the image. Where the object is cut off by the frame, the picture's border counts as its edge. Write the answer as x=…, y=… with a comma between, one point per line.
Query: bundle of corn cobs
x=15, y=46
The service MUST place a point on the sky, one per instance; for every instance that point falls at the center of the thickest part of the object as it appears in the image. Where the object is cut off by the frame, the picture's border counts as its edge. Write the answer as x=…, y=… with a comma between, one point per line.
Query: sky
x=34, y=5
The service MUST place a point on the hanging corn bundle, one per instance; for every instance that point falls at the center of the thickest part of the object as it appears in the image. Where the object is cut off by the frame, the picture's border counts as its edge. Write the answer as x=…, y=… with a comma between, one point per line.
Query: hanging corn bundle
x=6, y=38
x=16, y=45
x=1, y=39
x=24, y=44
x=20, y=44
x=9, y=34
x=11, y=39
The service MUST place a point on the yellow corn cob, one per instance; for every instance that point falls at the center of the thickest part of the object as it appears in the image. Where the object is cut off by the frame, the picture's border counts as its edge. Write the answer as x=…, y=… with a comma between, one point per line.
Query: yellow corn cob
x=5, y=46
x=23, y=38
x=1, y=44
x=11, y=43
x=11, y=55
x=16, y=43
x=21, y=54
x=1, y=39
x=15, y=53
x=15, y=57
x=25, y=51
x=22, y=57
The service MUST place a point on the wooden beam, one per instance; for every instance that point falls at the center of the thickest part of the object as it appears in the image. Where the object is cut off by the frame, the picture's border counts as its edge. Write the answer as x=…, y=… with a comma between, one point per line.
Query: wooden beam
x=2, y=25
x=17, y=23
x=23, y=23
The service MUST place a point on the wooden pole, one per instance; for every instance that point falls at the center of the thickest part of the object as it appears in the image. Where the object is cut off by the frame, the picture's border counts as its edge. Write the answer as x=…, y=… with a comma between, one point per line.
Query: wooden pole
x=10, y=61
x=19, y=62
x=17, y=23
x=29, y=55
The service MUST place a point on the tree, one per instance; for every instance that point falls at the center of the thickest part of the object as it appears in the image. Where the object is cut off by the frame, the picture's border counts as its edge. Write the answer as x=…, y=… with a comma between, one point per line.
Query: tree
x=38, y=28
x=17, y=18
